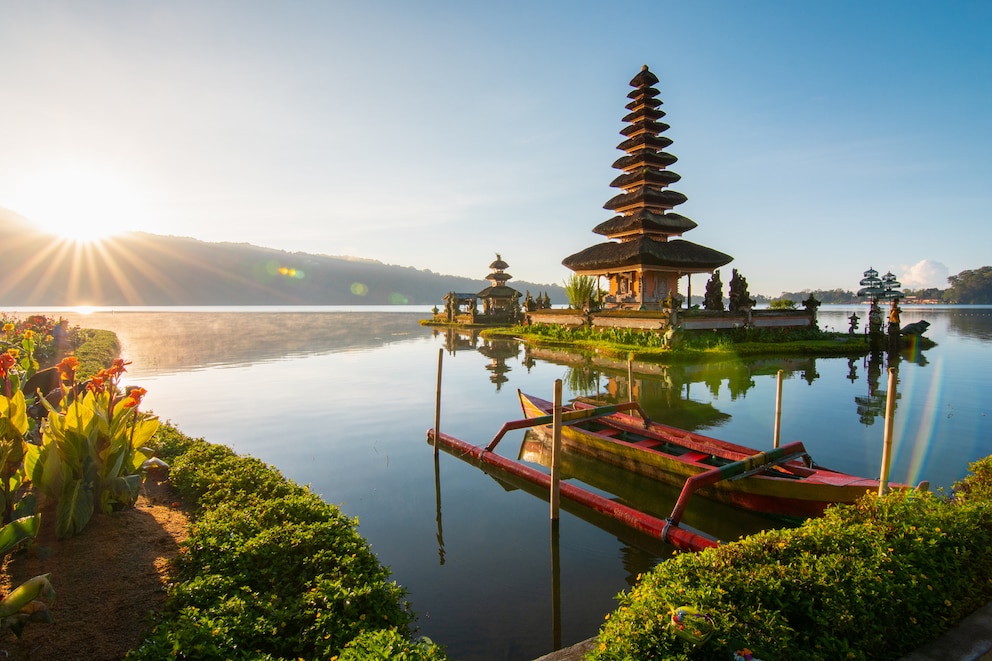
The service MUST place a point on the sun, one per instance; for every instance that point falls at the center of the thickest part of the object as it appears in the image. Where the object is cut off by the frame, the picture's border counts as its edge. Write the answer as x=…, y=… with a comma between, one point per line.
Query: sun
x=77, y=203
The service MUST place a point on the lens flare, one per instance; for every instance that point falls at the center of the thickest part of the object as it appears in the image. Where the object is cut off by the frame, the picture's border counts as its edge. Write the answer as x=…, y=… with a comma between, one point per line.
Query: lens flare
x=922, y=444
x=359, y=289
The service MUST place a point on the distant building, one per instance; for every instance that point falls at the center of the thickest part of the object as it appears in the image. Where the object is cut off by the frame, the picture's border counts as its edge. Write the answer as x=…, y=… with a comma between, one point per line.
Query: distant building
x=642, y=262
x=500, y=303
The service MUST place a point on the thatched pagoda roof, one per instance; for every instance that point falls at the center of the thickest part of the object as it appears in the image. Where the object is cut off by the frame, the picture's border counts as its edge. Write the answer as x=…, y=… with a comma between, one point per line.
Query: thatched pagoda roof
x=644, y=159
x=647, y=222
x=498, y=291
x=645, y=177
x=650, y=197
x=675, y=255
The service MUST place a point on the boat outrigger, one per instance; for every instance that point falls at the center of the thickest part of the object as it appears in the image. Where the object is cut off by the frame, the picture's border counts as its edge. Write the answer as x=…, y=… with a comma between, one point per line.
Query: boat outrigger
x=783, y=481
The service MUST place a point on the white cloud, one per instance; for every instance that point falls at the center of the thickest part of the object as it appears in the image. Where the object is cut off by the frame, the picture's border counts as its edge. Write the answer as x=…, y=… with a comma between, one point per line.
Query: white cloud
x=923, y=275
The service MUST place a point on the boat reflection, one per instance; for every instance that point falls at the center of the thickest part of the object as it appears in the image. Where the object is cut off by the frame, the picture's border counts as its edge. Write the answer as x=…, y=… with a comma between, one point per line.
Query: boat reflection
x=642, y=493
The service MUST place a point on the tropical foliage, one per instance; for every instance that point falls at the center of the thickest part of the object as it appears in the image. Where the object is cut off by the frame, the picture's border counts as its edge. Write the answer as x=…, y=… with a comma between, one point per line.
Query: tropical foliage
x=835, y=588
x=271, y=571
x=92, y=450
x=583, y=292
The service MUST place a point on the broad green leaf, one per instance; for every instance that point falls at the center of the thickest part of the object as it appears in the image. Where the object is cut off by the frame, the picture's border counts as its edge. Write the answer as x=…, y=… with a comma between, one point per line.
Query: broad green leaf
x=25, y=593
x=15, y=409
x=75, y=508
x=17, y=531
x=125, y=490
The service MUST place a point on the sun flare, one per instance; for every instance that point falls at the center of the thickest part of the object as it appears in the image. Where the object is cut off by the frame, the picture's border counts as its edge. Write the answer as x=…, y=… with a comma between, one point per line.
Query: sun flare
x=77, y=204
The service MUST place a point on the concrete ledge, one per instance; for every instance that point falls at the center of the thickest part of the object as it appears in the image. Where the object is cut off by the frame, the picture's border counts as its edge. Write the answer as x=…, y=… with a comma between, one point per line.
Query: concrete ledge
x=573, y=653
x=969, y=641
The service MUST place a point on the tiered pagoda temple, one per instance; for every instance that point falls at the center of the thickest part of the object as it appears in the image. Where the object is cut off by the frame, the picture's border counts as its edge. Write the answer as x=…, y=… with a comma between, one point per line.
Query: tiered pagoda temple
x=642, y=261
x=500, y=302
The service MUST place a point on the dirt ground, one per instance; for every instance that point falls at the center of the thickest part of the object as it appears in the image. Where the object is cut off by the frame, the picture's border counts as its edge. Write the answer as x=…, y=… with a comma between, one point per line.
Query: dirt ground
x=107, y=580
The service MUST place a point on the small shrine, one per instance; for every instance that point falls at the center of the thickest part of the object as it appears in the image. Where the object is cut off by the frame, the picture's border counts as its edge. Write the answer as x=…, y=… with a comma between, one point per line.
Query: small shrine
x=644, y=260
x=500, y=302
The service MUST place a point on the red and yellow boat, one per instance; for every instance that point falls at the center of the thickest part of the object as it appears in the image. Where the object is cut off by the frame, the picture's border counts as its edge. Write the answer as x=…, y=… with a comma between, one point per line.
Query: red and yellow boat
x=784, y=481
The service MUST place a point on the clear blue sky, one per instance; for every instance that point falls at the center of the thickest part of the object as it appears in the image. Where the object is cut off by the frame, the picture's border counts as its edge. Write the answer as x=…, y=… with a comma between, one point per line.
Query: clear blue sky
x=815, y=139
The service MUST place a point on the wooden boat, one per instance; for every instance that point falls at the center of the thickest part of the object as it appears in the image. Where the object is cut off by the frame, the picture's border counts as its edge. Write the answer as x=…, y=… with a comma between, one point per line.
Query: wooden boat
x=783, y=482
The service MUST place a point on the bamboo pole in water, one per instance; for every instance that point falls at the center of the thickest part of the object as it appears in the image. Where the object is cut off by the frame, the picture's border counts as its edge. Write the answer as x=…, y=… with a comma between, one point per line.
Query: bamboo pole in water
x=630, y=377
x=555, y=497
x=437, y=401
x=890, y=408
x=778, y=412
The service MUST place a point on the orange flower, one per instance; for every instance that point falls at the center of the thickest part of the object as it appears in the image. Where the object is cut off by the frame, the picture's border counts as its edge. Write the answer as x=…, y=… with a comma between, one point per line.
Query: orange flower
x=118, y=366
x=95, y=384
x=133, y=398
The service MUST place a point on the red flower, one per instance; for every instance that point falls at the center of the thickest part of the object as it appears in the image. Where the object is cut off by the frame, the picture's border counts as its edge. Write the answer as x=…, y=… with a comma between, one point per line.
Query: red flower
x=6, y=362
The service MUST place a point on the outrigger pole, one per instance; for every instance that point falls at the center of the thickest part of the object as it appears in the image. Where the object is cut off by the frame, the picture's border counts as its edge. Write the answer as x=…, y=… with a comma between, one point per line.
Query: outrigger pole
x=680, y=538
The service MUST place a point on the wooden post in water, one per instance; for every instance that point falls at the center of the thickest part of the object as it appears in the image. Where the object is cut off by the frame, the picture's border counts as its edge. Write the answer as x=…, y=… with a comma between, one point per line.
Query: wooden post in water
x=778, y=412
x=556, y=454
x=437, y=401
x=890, y=408
x=630, y=377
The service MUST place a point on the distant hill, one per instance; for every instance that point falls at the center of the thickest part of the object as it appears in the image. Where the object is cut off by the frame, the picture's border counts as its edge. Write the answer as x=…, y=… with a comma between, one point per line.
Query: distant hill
x=148, y=269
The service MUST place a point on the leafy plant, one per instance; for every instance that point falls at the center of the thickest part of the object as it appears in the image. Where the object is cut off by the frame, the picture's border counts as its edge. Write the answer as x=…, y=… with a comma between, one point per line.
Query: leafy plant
x=836, y=587
x=92, y=448
x=582, y=291
x=782, y=304
x=271, y=571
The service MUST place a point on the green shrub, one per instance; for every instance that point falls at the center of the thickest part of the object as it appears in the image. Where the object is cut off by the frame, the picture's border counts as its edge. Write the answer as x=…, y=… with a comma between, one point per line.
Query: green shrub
x=390, y=644
x=270, y=571
x=834, y=588
x=96, y=350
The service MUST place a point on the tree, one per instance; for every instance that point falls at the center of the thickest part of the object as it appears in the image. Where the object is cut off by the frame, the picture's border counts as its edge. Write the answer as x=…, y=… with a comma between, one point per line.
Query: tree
x=782, y=304
x=970, y=287
x=714, y=293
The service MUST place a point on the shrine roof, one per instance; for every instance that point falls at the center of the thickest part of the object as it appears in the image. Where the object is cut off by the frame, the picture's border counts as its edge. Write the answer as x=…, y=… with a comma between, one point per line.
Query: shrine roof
x=644, y=220
x=498, y=291
x=677, y=254
x=646, y=196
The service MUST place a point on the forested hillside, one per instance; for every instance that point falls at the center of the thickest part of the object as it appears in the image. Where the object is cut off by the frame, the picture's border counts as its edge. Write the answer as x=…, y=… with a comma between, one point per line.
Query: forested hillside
x=148, y=269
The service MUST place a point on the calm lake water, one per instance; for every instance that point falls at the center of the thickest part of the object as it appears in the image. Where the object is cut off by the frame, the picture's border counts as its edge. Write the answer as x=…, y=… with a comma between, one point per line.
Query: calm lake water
x=341, y=399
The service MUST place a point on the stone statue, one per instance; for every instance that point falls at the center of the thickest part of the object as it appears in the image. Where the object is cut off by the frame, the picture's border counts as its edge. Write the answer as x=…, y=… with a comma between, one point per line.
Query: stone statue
x=713, y=300
x=740, y=299
x=854, y=323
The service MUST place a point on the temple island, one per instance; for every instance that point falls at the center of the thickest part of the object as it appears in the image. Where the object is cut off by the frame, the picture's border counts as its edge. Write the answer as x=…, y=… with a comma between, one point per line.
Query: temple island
x=644, y=259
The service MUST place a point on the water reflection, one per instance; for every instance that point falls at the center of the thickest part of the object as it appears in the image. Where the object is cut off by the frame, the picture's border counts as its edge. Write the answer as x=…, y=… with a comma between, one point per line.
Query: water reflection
x=665, y=391
x=497, y=350
x=872, y=405
x=644, y=494
x=163, y=343
x=976, y=323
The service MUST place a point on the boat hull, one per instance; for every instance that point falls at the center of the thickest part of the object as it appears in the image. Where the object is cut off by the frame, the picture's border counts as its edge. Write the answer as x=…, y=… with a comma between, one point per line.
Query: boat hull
x=672, y=456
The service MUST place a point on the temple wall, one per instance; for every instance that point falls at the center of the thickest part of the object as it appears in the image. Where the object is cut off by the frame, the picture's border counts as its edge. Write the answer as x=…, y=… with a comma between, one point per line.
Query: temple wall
x=643, y=323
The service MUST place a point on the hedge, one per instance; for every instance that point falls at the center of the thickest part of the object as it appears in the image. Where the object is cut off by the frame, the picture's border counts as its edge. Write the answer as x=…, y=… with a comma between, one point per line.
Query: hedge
x=271, y=571
x=873, y=580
